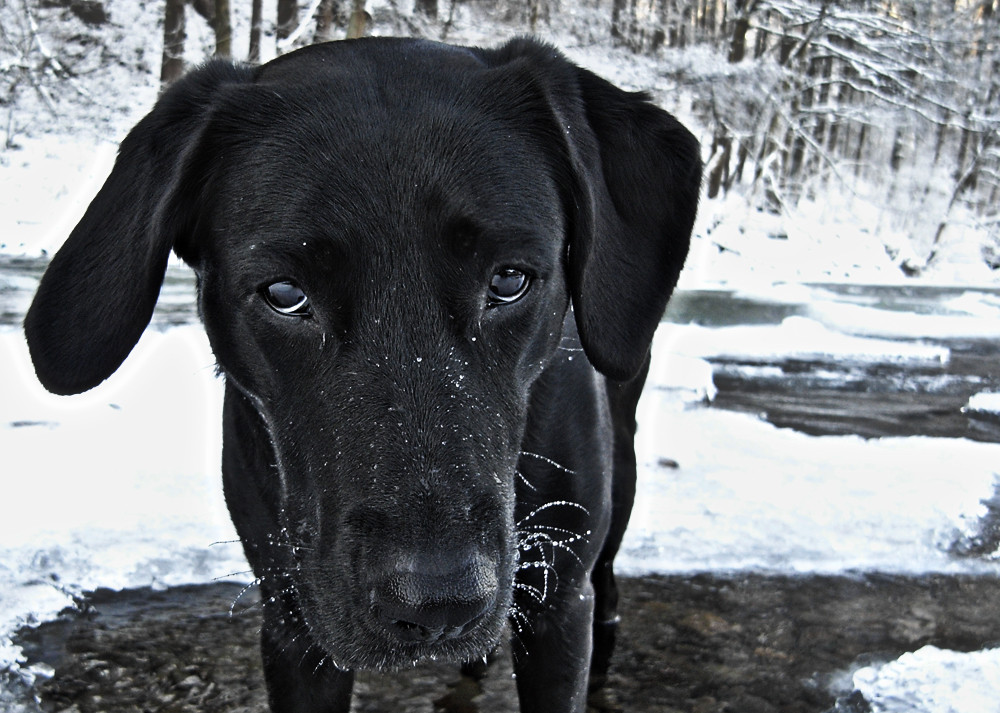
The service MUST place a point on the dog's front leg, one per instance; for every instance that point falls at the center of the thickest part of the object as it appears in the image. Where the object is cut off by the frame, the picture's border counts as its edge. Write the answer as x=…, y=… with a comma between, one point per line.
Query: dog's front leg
x=553, y=668
x=300, y=678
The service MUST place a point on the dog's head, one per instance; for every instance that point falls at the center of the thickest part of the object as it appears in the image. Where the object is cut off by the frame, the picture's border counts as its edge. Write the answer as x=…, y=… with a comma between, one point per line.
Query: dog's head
x=387, y=236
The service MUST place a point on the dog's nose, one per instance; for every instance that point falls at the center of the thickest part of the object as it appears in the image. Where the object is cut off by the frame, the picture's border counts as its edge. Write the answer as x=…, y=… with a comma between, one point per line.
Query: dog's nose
x=428, y=599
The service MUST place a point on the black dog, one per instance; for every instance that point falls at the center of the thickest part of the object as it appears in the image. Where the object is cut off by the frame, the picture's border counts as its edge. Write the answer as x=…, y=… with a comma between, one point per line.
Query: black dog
x=430, y=276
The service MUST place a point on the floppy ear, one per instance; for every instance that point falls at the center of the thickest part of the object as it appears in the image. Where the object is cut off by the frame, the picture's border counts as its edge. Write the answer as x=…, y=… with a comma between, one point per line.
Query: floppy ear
x=638, y=176
x=98, y=293
x=630, y=175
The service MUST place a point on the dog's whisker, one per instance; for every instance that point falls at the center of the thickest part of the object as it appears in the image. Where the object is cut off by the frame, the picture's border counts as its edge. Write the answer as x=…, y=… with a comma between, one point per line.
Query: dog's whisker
x=524, y=480
x=520, y=618
x=549, y=505
x=550, y=531
x=551, y=462
x=533, y=592
x=247, y=588
x=225, y=542
x=556, y=544
x=572, y=535
x=232, y=574
x=536, y=540
x=519, y=623
x=308, y=649
x=322, y=661
x=294, y=639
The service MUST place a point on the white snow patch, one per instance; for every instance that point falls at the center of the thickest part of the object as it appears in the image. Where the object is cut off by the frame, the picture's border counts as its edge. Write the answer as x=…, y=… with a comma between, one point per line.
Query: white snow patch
x=862, y=320
x=933, y=680
x=985, y=402
x=798, y=338
x=750, y=496
x=45, y=187
x=118, y=487
x=689, y=379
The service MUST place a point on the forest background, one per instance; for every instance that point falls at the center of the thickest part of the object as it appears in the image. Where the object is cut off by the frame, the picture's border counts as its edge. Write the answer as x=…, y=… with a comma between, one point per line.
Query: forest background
x=888, y=111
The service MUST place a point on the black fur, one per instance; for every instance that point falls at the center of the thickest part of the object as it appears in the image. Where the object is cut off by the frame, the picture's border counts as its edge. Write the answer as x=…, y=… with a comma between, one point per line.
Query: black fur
x=409, y=465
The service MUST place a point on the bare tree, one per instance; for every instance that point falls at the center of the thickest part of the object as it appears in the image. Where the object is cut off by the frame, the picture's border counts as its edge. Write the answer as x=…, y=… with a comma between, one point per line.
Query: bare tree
x=223, y=28
x=288, y=18
x=358, y=21
x=172, y=66
x=256, y=20
x=427, y=8
x=325, y=20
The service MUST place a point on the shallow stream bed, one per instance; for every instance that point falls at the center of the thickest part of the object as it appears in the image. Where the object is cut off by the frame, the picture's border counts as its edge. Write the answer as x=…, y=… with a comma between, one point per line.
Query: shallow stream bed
x=699, y=644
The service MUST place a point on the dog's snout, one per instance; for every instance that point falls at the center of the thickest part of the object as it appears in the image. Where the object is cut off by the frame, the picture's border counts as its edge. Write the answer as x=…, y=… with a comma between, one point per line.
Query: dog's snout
x=428, y=599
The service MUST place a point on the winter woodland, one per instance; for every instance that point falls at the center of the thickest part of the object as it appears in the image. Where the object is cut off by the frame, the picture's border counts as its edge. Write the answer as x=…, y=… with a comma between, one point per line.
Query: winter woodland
x=888, y=104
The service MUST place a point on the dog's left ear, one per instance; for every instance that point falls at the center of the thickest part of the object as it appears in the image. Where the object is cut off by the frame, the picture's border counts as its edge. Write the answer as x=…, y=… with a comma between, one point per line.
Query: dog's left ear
x=97, y=295
x=634, y=175
x=638, y=174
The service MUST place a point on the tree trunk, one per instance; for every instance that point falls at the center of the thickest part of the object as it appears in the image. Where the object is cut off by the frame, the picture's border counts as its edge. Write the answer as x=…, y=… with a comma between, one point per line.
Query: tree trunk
x=359, y=20
x=172, y=66
x=859, y=150
x=738, y=43
x=223, y=28
x=288, y=18
x=619, y=19
x=718, y=174
x=760, y=43
x=427, y=8
x=324, y=20
x=256, y=19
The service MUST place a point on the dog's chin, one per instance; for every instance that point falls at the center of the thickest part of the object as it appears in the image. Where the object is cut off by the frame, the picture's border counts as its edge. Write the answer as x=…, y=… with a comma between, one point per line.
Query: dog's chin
x=359, y=647
x=351, y=637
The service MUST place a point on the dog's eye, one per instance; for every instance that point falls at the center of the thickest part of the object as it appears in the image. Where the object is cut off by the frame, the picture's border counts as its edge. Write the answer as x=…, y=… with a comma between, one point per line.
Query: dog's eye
x=507, y=285
x=287, y=298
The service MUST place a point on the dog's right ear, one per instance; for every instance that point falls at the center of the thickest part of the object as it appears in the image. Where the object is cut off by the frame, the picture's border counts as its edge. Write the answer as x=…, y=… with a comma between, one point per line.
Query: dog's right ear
x=98, y=293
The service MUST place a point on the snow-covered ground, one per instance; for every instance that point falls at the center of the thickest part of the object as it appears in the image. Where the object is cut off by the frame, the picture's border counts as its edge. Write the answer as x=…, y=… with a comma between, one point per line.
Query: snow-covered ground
x=120, y=487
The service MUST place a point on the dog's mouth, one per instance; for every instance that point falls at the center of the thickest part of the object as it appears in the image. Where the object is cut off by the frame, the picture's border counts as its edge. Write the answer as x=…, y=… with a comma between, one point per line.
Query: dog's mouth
x=373, y=640
x=374, y=620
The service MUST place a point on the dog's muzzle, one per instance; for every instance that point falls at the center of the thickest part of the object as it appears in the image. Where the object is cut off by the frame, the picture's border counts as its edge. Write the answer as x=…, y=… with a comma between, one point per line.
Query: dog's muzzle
x=431, y=598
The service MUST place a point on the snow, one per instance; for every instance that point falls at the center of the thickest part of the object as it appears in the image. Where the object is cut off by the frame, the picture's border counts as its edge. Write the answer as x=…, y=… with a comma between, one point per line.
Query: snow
x=932, y=679
x=45, y=187
x=802, y=339
x=92, y=513
x=986, y=402
x=750, y=496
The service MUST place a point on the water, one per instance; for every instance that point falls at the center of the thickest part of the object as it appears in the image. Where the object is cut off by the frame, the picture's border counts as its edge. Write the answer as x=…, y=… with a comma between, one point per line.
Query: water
x=880, y=390
x=19, y=278
x=818, y=395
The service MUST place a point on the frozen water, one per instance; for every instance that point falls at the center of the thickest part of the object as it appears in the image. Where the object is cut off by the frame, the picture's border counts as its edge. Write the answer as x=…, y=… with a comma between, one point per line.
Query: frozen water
x=118, y=487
